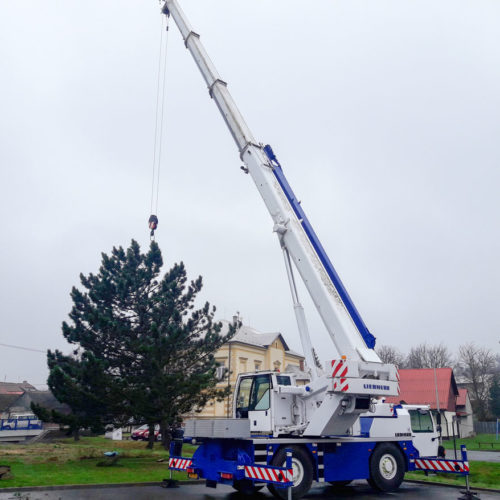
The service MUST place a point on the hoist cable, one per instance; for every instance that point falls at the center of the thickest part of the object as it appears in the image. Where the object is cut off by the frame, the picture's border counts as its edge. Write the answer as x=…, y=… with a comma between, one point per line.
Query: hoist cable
x=156, y=116
x=162, y=115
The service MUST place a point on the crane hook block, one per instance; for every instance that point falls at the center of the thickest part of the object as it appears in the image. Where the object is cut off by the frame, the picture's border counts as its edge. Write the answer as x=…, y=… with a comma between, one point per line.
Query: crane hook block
x=153, y=224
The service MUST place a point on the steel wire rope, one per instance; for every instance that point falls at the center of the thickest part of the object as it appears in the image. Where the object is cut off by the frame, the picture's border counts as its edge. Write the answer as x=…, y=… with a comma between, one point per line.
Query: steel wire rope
x=159, y=116
x=162, y=113
x=22, y=348
x=156, y=116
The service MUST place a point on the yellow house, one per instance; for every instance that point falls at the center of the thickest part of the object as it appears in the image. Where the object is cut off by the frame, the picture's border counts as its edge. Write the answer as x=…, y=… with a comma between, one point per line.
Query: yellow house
x=248, y=351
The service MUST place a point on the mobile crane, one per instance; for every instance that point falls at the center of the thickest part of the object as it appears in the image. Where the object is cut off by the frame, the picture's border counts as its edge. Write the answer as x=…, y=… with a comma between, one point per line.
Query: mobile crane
x=324, y=424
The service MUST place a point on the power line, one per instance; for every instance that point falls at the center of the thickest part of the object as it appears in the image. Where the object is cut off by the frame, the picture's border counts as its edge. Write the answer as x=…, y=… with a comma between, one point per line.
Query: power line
x=22, y=348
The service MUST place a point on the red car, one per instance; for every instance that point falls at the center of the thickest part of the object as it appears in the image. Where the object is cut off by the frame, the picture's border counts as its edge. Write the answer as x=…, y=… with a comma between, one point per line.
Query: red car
x=138, y=433
x=145, y=434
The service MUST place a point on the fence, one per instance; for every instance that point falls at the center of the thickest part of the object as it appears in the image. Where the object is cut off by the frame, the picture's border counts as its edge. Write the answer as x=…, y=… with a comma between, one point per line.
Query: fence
x=22, y=423
x=485, y=427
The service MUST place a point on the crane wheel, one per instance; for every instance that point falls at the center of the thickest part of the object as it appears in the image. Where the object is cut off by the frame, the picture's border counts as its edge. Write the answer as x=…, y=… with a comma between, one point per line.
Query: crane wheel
x=302, y=473
x=387, y=468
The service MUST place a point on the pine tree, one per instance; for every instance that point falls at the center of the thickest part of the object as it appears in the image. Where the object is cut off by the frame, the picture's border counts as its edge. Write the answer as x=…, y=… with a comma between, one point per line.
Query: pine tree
x=495, y=396
x=142, y=349
x=83, y=385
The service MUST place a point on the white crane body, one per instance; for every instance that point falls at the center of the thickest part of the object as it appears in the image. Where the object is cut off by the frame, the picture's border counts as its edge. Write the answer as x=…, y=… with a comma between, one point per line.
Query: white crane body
x=300, y=244
x=269, y=410
x=267, y=175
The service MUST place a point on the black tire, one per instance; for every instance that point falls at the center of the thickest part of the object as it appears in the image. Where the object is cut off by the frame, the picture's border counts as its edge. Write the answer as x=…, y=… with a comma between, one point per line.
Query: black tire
x=303, y=464
x=387, y=468
x=246, y=487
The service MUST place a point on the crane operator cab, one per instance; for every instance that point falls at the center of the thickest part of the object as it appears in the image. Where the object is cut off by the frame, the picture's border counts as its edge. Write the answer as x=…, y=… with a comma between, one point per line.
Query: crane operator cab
x=262, y=397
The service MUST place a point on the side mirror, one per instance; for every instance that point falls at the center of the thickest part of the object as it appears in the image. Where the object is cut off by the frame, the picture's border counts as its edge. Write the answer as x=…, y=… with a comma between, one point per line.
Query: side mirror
x=438, y=428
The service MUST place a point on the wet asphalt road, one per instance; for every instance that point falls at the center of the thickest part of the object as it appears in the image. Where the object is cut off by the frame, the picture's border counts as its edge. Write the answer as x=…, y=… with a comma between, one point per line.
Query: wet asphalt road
x=485, y=456
x=360, y=491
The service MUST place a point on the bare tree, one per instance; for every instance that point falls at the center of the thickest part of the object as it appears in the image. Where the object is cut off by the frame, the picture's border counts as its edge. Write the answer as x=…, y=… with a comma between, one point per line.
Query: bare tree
x=389, y=354
x=496, y=370
x=428, y=356
x=477, y=367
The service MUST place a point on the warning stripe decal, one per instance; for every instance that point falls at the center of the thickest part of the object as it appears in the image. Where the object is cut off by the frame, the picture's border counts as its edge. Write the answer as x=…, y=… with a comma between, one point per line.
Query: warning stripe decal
x=339, y=368
x=179, y=463
x=341, y=385
x=269, y=474
x=442, y=465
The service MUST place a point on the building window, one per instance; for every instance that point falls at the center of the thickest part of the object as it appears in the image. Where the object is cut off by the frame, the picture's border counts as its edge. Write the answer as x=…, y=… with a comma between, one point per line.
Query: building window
x=243, y=364
x=257, y=365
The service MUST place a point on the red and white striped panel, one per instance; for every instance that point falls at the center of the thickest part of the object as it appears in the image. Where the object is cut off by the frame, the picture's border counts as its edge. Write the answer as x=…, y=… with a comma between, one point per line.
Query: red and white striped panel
x=179, y=463
x=339, y=368
x=442, y=465
x=341, y=385
x=398, y=379
x=269, y=474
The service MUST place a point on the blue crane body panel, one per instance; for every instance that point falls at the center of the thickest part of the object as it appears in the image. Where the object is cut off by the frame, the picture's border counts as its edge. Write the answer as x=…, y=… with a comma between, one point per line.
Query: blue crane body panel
x=331, y=460
x=368, y=337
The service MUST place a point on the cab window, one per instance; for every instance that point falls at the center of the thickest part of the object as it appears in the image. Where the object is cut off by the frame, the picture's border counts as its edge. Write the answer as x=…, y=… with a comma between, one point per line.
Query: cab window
x=421, y=421
x=243, y=399
x=260, y=394
x=283, y=380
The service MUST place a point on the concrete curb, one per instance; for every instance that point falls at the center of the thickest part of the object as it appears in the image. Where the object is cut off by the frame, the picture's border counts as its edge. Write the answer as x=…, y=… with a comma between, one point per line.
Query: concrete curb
x=456, y=486
x=84, y=486
x=496, y=450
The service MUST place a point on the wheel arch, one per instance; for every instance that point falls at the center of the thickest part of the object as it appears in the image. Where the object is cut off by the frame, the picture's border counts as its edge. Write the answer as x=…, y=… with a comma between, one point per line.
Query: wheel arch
x=387, y=465
x=398, y=445
x=304, y=447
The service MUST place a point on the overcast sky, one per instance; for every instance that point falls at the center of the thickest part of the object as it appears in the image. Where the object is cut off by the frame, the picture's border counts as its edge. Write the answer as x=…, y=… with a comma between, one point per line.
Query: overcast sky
x=384, y=114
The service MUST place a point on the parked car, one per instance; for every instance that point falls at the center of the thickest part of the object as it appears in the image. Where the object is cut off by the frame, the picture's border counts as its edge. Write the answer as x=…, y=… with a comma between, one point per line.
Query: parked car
x=145, y=434
x=137, y=433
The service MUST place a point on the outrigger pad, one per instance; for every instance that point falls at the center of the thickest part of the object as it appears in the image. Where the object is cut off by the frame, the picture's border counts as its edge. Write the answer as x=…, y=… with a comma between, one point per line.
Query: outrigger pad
x=169, y=483
x=469, y=495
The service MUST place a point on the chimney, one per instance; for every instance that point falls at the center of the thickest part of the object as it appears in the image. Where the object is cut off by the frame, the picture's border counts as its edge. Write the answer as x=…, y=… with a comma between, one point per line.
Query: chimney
x=236, y=318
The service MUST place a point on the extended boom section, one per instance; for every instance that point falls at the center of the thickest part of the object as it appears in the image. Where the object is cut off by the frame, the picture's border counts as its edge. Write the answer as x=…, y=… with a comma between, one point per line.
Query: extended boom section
x=343, y=322
x=330, y=411
x=334, y=429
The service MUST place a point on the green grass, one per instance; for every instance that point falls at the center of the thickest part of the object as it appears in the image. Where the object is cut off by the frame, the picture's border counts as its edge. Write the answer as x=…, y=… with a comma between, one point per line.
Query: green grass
x=473, y=442
x=482, y=475
x=69, y=462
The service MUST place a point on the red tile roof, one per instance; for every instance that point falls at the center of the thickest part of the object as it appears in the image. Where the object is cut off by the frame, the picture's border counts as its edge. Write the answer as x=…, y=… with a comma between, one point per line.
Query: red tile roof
x=418, y=386
x=462, y=397
x=15, y=387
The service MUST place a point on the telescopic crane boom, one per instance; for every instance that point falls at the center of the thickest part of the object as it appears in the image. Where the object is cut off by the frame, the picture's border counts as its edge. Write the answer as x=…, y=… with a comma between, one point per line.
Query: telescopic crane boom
x=331, y=429
x=297, y=237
